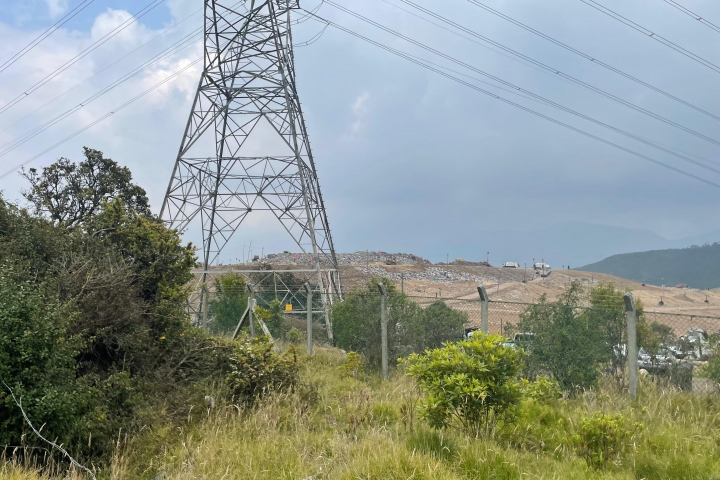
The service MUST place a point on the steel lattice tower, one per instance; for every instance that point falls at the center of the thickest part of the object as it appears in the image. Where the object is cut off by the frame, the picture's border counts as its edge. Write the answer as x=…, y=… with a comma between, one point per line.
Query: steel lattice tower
x=245, y=147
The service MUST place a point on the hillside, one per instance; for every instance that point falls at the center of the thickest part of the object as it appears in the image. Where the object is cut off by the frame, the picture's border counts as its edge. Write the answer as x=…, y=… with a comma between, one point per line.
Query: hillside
x=694, y=266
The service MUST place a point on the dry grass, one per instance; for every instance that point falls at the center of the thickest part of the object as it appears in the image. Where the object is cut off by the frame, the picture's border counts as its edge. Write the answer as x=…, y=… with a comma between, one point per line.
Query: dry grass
x=340, y=427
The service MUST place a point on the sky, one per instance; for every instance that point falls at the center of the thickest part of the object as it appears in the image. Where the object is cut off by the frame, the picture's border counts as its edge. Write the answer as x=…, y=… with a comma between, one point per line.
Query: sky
x=408, y=160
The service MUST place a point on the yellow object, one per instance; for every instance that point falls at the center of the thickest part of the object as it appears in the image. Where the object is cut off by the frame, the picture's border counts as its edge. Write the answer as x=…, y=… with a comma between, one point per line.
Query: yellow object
x=288, y=307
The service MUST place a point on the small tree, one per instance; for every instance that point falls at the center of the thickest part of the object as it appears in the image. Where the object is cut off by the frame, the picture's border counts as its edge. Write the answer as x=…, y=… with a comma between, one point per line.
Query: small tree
x=568, y=344
x=433, y=326
x=470, y=384
x=230, y=302
x=70, y=193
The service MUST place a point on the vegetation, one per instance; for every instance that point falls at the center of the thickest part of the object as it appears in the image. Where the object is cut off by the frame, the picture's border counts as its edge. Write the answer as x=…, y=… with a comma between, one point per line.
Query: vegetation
x=335, y=425
x=411, y=328
x=694, y=266
x=95, y=339
x=471, y=384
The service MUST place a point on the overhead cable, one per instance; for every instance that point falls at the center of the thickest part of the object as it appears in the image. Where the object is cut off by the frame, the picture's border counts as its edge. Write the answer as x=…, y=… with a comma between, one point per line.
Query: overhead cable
x=654, y=36
x=110, y=65
x=527, y=92
x=144, y=11
x=516, y=105
x=557, y=72
x=187, y=41
x=52, y=29
x=104, y=117
x=590, y=58
x=697, y=17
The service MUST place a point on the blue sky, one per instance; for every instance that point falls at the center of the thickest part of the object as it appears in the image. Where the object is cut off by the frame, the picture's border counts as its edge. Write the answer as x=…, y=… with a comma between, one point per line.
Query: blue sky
x=408, y=160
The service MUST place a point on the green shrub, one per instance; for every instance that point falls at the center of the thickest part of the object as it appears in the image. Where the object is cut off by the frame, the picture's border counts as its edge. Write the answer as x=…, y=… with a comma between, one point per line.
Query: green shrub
x=469, y=385
x=294, y=336
x=229, y=302
x=602, y=438
x=352, y=366
x=543, y=389
x=256, y=370
x=568, y=344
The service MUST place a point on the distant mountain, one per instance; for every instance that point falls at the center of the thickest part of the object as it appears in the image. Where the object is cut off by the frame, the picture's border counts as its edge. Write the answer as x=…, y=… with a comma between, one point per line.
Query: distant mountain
x=698, y=266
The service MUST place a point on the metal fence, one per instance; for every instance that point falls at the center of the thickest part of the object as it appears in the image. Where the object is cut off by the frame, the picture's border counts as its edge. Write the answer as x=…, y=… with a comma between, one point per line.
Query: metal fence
x=666, y=342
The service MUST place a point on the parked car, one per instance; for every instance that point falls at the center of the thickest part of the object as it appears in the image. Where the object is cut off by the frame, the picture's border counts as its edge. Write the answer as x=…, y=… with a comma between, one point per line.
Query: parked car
x=511, y=265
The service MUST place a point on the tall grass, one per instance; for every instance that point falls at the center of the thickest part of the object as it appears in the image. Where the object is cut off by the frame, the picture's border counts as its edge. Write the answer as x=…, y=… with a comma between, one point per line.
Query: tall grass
x=338, y=426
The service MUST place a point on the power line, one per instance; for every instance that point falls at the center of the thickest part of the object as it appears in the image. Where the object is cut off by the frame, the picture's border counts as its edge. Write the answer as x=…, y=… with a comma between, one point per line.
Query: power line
x=145, y=10
x=527, y=92
x=652, y=35
x=697, y=17
x=104, y=69
x=561, y=74
x=590, y=58
x=185, y=42
x=509, y=102
x=107, y=115
x=53, y=28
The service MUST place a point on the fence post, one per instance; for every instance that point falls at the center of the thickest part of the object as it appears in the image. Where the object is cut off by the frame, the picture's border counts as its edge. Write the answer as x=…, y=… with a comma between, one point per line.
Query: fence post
x=251, y=312
x=309, y=332
x=383, y=329
x=484, y=301
x=631, y=344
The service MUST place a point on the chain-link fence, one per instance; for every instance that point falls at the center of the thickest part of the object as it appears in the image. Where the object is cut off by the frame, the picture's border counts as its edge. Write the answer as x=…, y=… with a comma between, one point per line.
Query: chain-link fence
x=573, y=343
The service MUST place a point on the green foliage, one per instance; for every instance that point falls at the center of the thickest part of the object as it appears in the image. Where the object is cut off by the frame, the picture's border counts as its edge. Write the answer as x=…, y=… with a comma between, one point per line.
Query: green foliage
x=256, y=370
x=712, y=369
x=543, y=389
x=71, y=193
x=654, y=336
x=356, y=323
x=294, y=336
x=602, y=438
x=470, y=385
x=568, y=344
x=273, y=318
x=352, y=367
x=229, y=302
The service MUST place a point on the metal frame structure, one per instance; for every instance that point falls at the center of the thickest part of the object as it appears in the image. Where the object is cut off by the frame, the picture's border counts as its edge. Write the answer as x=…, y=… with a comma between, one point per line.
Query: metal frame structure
x=245, y=147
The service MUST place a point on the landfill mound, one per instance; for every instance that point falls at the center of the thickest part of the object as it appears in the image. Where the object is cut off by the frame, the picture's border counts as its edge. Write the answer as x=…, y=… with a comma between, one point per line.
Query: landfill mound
x=357, y=258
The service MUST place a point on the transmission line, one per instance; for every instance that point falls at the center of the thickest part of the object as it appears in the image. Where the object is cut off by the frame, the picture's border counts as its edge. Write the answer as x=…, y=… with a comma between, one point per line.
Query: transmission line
x=527, y=92
x=557, y=72
x=590, y=58
x=107, y=115
x=697, y=17
x=509, y=102
x=101, y=71
x=654, y=36
x=185, y=42
x=144, y=11
x=52, y=29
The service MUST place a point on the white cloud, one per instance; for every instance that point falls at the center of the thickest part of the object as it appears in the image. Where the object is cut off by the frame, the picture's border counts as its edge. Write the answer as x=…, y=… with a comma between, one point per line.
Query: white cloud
x=56, y=7
x=360, y=110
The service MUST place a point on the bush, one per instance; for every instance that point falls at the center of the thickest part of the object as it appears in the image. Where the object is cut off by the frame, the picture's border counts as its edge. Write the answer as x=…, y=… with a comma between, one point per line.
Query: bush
x=294, y=336
x=230, y=302
x=568, y=344
x=469, y=385
x=602, y=438
x=543, y=389
x=257, y=370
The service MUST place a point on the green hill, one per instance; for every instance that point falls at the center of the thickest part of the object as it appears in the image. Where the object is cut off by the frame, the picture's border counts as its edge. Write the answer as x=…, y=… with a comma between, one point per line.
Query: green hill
x=698, y=267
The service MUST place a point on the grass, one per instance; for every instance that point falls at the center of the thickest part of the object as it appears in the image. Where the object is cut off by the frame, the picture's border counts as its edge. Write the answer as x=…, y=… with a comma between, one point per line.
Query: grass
x=341, y=427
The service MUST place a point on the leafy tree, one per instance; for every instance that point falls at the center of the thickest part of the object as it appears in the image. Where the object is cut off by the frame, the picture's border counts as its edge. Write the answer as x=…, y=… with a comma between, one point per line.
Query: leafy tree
x=229, y=302
x=469, y=385
x=356, y=322
x=70, y=193
x=433, y=326
x=568, y=344
x=273, y=318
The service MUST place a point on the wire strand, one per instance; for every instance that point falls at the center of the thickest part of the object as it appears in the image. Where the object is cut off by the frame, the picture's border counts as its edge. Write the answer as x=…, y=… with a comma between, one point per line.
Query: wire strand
x=52, y=29
x=697, y=17
x=591, y=58
x=516, y=105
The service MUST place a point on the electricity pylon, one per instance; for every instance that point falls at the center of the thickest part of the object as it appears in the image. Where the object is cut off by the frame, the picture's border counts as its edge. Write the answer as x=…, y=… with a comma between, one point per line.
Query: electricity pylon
x=245, y=147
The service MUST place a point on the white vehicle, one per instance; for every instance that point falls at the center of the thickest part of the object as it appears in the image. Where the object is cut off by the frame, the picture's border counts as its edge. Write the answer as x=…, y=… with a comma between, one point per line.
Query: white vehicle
x=541, y=266
x=511, y=265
